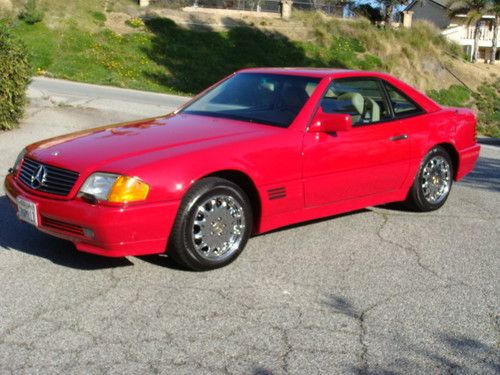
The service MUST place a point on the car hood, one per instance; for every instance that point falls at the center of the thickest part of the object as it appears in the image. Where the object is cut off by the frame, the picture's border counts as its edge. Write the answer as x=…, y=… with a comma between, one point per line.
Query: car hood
x=95, y=147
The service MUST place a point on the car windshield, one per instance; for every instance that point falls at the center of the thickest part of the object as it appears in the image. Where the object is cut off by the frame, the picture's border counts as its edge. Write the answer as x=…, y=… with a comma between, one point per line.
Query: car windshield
x=271, y=99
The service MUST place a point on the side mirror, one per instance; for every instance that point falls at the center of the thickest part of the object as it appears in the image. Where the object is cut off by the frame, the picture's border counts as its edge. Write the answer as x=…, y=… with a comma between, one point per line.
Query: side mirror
x=330, y=122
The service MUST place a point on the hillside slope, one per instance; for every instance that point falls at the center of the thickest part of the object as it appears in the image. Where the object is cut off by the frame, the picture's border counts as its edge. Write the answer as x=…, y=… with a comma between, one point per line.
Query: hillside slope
x=114, y=42
x=420, y=55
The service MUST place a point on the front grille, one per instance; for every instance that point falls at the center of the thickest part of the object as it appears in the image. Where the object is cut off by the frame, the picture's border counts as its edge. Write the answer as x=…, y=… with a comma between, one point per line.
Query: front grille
x=62, y=226
x=49, y=179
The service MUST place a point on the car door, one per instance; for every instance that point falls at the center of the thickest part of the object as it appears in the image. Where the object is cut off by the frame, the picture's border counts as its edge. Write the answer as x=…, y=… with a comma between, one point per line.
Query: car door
x=371, y=158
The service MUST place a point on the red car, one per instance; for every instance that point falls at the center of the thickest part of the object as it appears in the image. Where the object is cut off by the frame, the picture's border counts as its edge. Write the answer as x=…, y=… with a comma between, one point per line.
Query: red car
x=261, y=149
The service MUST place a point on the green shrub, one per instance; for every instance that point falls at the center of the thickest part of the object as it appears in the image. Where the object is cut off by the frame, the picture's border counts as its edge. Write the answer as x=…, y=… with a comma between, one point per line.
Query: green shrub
x=345, y=44
x=487, y=100
x=99, y=17
x=370, y=62
x=31, y=13
x=15, y=74
x=453, y=96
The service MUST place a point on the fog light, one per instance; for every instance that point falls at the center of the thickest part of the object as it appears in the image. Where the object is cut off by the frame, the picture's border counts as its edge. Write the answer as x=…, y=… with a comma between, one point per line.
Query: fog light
x=89, y=233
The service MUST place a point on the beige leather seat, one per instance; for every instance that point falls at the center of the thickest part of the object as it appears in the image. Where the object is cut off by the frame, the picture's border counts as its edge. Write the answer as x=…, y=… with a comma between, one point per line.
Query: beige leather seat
x=371, y=111
x=357, y=103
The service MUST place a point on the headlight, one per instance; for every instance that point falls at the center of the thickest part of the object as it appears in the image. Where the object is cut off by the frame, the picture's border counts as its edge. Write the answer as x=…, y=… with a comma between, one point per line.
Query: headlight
x=99, y=185
x=19, y=159
x=115, y=188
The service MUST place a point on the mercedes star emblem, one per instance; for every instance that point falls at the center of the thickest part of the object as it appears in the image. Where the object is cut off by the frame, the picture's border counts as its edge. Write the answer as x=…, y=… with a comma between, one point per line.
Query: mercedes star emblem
x=38, y=179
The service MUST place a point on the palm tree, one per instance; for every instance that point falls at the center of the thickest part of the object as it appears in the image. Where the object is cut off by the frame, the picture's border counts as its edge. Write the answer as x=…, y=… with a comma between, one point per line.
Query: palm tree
x=495, y=8
x=474, y=10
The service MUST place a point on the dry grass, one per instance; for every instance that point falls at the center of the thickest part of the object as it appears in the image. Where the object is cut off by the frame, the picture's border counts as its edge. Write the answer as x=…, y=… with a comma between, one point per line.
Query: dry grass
x=420, y=56
x=5, y=6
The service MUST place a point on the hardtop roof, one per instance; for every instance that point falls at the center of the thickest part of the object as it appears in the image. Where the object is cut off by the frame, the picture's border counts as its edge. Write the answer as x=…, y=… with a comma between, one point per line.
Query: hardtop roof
x=313, y=72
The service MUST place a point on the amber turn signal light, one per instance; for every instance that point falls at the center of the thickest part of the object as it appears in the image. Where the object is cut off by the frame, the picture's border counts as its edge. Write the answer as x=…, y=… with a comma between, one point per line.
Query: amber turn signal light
x=128, y=189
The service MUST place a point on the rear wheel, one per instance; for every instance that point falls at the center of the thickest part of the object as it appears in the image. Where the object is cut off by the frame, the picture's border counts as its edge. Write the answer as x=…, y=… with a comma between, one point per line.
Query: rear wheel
x=432, y=186
x=212, y=226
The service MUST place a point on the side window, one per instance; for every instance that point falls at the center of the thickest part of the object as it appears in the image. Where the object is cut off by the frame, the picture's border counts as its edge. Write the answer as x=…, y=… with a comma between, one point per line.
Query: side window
x=401, y=105
x=363, y=99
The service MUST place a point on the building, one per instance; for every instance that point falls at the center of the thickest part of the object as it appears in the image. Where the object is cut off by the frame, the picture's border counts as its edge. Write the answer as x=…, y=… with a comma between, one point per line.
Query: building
x=454, y=28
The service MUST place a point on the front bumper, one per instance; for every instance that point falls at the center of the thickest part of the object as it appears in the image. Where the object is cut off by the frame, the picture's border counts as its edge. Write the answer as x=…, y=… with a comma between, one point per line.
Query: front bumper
x=137, y=229
x=467, y=159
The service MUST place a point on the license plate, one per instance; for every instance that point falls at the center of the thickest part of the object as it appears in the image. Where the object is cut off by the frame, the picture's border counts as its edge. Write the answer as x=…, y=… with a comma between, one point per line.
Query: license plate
x=27, y=211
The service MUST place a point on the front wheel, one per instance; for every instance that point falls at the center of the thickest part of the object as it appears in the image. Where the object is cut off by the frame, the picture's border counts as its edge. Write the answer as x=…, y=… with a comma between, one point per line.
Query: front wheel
x=432, y=186
x=212, y=226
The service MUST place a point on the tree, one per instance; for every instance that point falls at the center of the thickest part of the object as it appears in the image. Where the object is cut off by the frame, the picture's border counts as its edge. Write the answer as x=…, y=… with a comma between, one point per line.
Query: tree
x=474, y=10
x=495, y=10
x=368, y=11
x=388, y=9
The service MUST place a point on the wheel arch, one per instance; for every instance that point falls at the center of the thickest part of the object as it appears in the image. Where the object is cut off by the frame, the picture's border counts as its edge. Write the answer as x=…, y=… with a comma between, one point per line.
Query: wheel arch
x=245, y=182
x=452, y=151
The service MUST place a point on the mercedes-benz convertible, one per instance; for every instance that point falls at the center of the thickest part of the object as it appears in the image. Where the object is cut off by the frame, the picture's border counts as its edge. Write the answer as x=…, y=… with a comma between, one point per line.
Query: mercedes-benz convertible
x=261, y=149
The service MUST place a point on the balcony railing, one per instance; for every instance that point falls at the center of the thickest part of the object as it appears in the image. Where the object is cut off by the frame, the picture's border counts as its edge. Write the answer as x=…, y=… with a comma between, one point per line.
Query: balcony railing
x=485, y=33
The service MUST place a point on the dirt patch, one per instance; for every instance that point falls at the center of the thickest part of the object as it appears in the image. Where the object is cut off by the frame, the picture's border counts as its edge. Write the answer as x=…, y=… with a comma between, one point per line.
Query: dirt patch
x=5, y=6
x=116, y=22
x=474, y=75
x=222, y=21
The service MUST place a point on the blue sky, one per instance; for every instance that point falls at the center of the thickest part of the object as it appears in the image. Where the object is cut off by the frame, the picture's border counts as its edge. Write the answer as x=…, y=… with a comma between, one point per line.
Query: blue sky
x=374, y=3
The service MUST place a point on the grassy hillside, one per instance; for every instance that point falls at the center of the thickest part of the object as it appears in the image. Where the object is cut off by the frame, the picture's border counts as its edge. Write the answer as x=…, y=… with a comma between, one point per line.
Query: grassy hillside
x=163, y=56
x=104, y=42
x=486, y=100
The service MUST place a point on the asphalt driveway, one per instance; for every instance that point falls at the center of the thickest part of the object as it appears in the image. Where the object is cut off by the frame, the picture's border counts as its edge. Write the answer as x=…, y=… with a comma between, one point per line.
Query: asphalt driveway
x=378, y=291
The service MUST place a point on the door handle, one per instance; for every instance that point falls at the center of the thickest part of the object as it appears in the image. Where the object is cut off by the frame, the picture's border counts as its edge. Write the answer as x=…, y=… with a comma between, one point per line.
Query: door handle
x=398, y=137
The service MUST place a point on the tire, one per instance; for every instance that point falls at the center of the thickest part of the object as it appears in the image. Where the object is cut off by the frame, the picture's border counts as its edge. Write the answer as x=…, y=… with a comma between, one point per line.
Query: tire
x=432, y=185
x=212, y=226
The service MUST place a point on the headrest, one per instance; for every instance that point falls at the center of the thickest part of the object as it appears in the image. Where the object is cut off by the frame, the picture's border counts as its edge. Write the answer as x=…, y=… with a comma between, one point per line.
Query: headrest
x=356, y=100
x=374, y=109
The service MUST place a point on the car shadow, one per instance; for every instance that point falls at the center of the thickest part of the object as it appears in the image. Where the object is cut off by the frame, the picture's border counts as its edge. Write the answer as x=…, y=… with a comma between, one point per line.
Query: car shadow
x=486, y=175
x=314, y=221
x=161, y=260
x=18, y=236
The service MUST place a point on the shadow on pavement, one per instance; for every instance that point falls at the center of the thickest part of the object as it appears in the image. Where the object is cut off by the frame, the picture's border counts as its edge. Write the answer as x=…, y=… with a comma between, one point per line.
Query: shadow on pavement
x=261, y=371
x=457, y=353
x=486, y=175
x=15, y=235
x=341, y=305
x=313, y=221
x=162, y=260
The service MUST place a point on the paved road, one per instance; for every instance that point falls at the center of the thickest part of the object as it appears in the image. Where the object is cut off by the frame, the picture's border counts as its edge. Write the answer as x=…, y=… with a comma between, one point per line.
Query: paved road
x=379, y=291
x=105, y=97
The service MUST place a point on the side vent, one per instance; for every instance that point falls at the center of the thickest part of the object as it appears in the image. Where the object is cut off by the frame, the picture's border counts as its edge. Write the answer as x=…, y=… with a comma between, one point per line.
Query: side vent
x=276, y=193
